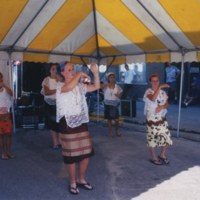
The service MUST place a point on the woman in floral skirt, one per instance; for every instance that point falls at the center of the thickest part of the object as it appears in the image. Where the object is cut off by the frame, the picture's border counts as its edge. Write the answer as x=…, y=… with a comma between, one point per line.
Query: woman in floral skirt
x=158, y=134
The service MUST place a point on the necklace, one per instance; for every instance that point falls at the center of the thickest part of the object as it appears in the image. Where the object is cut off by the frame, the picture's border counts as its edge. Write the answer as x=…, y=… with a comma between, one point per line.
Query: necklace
x=111, y=91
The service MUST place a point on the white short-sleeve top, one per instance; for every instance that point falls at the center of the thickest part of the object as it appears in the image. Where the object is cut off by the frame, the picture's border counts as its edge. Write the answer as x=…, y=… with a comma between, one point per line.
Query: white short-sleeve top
x=52, y=84
x=150, y=106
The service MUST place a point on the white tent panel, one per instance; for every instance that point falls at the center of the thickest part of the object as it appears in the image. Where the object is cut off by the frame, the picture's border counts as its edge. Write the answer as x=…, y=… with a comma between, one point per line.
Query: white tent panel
x=22, y=21
x=167, y=22
x=188, y=57
x=17, y=56
x=115, y=37
x=39, y=22
x=4, y=67
x=79, y=36
x=164, y=19
x=135, y=59
x=58, y=58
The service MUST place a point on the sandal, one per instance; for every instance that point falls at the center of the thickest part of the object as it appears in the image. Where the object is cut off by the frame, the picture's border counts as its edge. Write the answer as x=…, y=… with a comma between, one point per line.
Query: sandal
x=156, y=162
x=85, y=186
x=4, y=156
x=73, y=190
x=164, y=160
x=11, y=155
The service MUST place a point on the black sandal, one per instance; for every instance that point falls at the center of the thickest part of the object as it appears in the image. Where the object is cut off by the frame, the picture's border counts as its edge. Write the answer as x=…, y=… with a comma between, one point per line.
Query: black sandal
x=85, y=186
x=156, y=162
x=164, y=160
x=73, y=190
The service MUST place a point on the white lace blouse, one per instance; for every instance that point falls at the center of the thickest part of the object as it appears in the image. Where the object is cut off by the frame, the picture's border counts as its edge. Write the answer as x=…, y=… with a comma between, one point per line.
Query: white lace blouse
x=73, y=106
x=150, y=106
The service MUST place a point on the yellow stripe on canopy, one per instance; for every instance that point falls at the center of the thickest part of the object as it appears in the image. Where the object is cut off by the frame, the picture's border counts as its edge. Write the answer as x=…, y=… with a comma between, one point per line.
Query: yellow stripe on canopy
x=37, y=57
x=117, y=61
x=106, y=47
x=128, y=24
x=64, y=22
x=9, y=11
x=88, y=47
x=186, y=14
x=162, y=57
x=77, y=60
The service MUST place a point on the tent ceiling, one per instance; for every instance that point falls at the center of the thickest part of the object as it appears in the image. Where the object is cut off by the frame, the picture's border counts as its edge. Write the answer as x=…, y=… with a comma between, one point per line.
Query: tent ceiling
x=97, y=29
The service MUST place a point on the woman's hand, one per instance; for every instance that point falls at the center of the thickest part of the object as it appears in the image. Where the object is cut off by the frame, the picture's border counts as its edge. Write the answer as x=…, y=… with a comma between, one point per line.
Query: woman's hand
x=158, y=109
x=165, y=85
x=85, y=78
x=94, y=68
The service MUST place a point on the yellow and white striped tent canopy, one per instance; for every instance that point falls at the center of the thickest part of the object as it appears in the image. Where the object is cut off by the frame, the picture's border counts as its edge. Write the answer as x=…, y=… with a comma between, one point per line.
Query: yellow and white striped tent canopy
x=77, y=30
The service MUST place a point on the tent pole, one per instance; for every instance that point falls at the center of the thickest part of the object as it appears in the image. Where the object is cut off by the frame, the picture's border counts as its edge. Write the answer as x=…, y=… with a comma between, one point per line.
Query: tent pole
x=98, y=107
x=12, y=87
x=181, y=91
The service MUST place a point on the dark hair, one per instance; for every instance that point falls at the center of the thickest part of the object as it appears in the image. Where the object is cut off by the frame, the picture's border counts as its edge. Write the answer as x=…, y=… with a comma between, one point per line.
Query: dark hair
x=112, y=74
x=50, y=66
x=1, y=74
x=152, y=76
x=126, y=65
x=62, y=65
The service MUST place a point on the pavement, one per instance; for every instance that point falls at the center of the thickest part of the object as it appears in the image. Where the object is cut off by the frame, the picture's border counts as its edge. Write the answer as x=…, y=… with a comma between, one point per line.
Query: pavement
x=119, y=170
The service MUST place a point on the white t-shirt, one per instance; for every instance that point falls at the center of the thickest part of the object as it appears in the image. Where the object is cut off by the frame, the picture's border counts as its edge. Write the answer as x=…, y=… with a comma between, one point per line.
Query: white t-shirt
x=129, y=76
x=52, y=84
x=171, y=73
x=109, y=95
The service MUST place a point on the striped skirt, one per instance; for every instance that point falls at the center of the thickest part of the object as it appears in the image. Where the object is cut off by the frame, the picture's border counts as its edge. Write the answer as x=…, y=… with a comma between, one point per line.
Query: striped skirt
x=76, y=142
x=158, y=134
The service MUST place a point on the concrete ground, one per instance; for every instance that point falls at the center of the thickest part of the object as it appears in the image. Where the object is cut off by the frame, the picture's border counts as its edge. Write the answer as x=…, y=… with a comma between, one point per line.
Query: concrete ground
x=119, y=170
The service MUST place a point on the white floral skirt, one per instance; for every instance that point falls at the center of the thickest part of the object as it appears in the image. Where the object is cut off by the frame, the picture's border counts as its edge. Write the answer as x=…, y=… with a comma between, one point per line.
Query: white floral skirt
x=158, y=134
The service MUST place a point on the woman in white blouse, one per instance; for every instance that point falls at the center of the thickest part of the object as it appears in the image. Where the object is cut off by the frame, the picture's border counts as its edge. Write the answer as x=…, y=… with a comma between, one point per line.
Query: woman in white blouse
x=112, y=95
x=72, y=115
x=49, y=85
x=5, y=120
x=155, y=110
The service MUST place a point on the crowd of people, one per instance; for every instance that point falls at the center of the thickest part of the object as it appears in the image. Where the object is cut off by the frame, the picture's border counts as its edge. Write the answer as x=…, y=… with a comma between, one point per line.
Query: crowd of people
x=67, y=114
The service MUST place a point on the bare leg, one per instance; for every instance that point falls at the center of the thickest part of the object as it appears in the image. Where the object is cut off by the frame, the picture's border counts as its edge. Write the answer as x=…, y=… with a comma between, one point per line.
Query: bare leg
x=110, y=127
x=152, y=152
x=82, y=169
x=117, y=127
x=8, y=146
x=81, y=182
x=163, y=151
x=3, y=148
x=71, y=169
x=55, y=138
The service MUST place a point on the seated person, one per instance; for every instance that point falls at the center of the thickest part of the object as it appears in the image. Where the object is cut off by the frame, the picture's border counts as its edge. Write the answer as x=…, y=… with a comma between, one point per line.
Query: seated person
x=192, y=96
